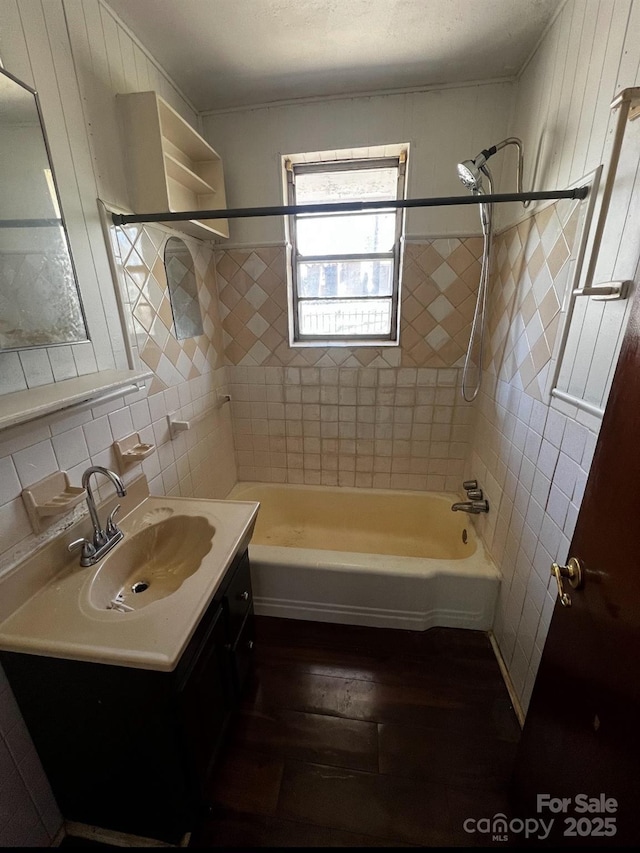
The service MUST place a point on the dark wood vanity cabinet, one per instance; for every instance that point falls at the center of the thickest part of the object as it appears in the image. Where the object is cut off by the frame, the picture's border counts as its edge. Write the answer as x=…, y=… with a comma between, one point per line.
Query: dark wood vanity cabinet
x=132, y=749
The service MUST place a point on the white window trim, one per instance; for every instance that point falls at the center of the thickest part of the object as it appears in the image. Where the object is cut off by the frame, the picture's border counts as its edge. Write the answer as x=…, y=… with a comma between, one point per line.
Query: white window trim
x=324, y=161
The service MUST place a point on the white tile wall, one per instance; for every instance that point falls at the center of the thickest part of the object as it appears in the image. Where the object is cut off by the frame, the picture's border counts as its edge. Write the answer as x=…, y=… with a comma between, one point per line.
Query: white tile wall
x=535, y=497
x=535, y=521
x=398, y=428
x=589, y=55
x=203, y=455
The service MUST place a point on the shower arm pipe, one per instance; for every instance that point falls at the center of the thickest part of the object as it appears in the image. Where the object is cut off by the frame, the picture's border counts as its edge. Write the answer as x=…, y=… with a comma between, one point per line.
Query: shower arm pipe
x=345, y=207
x=513, y=140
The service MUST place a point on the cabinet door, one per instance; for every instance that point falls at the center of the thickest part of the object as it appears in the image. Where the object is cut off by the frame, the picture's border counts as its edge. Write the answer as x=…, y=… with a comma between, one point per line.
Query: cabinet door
x=206, y=702
x=238, y=599
x=242, y=653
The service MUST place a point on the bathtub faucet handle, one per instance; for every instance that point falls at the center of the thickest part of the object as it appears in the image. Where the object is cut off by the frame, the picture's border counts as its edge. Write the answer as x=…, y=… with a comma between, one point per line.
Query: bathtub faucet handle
x=470, y=484
x=474, y=494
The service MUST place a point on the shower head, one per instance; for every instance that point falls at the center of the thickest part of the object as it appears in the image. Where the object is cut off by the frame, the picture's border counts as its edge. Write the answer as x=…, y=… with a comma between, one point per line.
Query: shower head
x=471, y=172
x=470, y=175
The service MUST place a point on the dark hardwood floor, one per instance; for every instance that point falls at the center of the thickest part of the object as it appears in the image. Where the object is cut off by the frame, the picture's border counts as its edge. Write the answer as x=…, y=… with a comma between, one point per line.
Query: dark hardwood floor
x=352, y=737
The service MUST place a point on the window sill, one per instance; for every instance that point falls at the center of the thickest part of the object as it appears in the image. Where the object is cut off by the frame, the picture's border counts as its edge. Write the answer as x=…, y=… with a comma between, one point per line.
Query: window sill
x=350, y=343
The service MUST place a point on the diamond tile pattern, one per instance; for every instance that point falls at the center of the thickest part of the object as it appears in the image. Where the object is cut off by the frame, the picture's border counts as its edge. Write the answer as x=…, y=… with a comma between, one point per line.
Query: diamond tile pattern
x=531, y=264
x=439, y=283
x=141, y=254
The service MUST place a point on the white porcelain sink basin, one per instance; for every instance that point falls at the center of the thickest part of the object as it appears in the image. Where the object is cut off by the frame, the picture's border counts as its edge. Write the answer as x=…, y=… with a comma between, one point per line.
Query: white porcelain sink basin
x=152, y=563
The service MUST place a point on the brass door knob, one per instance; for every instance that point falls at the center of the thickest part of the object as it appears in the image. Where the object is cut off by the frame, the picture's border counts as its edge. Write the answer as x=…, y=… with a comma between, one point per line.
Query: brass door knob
x=572, y=573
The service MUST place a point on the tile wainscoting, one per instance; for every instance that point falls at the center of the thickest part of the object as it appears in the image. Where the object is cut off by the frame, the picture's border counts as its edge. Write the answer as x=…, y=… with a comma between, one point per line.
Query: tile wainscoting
x=531, y=459
x=398, y=428
x=381, y=417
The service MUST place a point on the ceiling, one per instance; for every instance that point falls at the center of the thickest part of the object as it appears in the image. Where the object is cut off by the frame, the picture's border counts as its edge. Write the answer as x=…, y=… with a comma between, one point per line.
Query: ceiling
x=230, y=53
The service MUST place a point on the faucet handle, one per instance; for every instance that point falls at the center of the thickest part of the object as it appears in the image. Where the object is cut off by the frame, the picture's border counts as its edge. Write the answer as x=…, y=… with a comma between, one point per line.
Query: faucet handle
x=111, y=525
x=474, y=494
x=88, y=548
x=470, y=484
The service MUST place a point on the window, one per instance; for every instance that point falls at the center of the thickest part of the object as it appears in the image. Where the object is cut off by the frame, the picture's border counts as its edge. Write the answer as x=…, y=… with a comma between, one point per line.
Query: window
x=345, y=267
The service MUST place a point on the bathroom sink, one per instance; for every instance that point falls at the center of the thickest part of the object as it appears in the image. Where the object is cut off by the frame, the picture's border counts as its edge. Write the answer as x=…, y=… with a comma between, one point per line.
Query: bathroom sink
x=175, y=552
x=151, y=563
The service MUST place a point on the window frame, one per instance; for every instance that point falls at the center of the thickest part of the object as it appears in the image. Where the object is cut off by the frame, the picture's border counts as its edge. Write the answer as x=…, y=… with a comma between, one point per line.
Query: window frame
x=293, y=167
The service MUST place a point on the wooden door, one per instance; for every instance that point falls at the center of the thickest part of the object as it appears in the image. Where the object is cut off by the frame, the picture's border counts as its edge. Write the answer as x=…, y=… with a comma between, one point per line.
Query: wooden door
x=580, y=743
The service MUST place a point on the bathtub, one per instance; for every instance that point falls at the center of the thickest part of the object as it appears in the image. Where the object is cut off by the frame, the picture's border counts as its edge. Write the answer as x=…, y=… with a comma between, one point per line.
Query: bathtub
x=372, y=557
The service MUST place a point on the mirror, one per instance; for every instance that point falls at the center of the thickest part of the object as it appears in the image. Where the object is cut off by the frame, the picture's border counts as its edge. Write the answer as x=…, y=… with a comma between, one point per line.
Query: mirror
x=183, y=290
x=39, y=298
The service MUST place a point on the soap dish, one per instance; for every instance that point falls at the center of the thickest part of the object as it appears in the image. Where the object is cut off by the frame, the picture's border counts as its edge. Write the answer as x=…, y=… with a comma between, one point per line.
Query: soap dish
x=50, y=497
x=130, y=450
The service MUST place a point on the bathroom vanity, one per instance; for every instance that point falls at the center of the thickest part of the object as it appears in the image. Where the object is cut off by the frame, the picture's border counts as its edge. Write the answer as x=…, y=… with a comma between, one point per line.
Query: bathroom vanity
x=128, y=708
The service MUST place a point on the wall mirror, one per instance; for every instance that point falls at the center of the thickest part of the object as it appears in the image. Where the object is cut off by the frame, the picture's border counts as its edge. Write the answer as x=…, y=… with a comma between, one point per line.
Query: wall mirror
x=39, y=298
x=183, y=289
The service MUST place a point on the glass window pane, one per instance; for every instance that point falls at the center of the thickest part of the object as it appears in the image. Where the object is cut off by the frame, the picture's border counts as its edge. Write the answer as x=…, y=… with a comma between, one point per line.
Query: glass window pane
x=345, y=278
x=350, y=185
x=347, y=318
x=345, y=234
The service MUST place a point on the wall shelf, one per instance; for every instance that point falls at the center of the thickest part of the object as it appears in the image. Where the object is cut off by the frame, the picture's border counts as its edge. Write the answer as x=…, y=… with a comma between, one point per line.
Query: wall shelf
x=170, y=166
x=183, y=175
x=22, y=406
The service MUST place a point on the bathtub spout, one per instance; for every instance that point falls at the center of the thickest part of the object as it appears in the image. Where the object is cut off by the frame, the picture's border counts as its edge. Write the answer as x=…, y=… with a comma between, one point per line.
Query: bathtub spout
x=474, y=507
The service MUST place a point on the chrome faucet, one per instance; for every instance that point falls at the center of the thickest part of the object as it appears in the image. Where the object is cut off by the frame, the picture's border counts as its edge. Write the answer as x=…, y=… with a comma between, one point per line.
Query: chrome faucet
x=473, y=507
x=103, y=540
x=476, y=503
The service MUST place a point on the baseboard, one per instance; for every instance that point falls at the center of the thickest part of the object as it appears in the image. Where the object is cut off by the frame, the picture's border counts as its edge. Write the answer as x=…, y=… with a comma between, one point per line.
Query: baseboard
x=515, y=701
x=117, y=839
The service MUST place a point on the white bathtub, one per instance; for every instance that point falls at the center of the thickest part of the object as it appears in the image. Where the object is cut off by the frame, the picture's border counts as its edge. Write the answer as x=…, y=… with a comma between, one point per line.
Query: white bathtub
x=367, y=557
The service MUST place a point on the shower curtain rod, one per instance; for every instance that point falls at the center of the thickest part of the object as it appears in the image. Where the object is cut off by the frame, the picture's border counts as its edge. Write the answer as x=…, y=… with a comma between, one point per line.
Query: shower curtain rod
x=345, y=207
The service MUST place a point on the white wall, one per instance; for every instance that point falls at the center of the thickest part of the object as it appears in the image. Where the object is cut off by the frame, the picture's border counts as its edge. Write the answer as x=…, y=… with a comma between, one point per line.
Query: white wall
x=562, y=106
x=442, y=126
x=29, y=29
x=532, y=457
x=589, y=55
x=109, y=60
x=77, y=56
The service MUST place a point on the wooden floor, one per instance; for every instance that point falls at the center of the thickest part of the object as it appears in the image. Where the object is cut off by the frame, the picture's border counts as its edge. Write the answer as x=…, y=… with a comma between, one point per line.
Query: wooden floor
x=352, y=736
